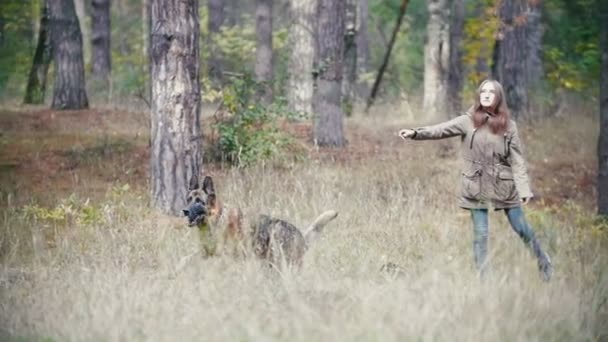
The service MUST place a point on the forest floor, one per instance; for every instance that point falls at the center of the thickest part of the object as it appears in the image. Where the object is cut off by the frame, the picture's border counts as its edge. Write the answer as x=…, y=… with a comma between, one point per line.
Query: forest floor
x=45, y=152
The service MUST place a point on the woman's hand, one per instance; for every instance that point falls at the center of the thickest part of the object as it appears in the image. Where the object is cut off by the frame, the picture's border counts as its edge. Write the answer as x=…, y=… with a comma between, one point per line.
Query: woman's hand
x=406, y=133
x=525, y=200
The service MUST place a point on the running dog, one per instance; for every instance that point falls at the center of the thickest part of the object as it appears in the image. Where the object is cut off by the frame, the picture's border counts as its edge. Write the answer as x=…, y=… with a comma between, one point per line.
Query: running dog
x=274, y=240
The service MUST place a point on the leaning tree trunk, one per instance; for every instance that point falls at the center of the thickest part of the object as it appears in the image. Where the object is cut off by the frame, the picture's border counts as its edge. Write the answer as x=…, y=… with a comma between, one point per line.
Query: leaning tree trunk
x=602, y=151
x=100, y=40
x=214, y=24
x=36, y=84
x=349, y=77
x=69, y=90
x=362, y=47
x=301, y=55
x=328, y=121
x=455, y=81
x=437, y=59
x=176, y=151
x=511, y=55
x=81, y=13
x=263, y=48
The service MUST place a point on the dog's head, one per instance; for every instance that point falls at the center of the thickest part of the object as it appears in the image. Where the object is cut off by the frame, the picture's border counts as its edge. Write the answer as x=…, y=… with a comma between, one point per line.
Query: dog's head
x=201, y=202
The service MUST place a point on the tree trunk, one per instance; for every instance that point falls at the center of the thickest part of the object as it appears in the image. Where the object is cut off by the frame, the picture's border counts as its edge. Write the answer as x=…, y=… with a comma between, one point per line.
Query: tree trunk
x=263, y=48
x=81, y=13
x=511, y=56
x=69, y=90
x=437, y=59
x=36, y=85
x=302, y=46
x=602, y=151
x=534, y=28
x=362, y=47
x=328, y=121
x=146, y=14
x=455, y=73
x=101, y=41
x=216, y=20
x=176, y=151
x=349, y=78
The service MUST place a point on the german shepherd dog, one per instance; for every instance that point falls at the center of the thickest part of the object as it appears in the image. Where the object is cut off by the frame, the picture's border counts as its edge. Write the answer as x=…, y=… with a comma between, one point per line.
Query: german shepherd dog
x=274, y=240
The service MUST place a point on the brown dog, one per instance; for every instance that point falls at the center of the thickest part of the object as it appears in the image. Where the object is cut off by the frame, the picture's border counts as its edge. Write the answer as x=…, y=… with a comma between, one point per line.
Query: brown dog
x=275, y=240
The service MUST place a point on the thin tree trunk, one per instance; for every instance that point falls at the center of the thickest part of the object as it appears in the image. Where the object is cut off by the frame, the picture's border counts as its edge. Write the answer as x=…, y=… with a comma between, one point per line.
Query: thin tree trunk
x=146, y=53
x=69, y=90
x=301, y=56
x=349, y=78
x=101, y=41
x=81, y=13
x=535, y=32
x=387, y=54
x=455, y=73
x=328, y=120
x=362, y=46
x=511, y=56
x=216, y=20
x=176, y=151
x=602, y=151
x=263, y=48
x=437, y=59
x=36, y=85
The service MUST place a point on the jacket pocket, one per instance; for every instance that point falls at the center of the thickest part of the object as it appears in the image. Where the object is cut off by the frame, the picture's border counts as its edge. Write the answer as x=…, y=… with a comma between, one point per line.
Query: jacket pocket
x=505, y=186
x=471, y=184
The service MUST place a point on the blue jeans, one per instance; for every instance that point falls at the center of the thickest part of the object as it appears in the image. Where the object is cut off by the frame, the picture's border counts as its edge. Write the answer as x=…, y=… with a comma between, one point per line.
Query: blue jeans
x=520, y=226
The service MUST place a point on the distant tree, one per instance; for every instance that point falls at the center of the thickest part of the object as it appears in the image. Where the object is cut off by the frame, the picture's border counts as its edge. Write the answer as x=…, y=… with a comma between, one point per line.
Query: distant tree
x=85, y=29
x=176, y=143
x=214, y=24
x=100, y=40
x=455, y=80
x=437, y=59
x=36, y=85
x=349, y=77
x=69, y=90
x=511, y=55
x=328, y=120
x=534, y=33
x=301, y=54
x=263, y=48
x=602, y=151
x=363, y=53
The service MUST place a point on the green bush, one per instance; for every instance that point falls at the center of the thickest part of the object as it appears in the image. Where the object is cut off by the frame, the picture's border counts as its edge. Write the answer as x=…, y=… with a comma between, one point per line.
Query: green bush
x=248, y=131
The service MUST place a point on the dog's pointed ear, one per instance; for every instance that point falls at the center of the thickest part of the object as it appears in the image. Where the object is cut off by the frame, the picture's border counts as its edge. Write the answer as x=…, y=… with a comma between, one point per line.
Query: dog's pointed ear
x=209, y=189
x=193, y=183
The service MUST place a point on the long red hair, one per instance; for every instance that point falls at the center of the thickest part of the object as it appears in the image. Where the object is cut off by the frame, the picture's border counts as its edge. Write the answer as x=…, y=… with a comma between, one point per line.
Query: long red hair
x=498, y=116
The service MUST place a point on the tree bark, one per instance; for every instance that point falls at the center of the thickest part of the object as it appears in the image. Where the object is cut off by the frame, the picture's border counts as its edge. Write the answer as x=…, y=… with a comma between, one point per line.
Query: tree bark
x=36, y=85
x=602, y=151
x=363, y=55
x=328, y=120
x=69, y=90
x=455, y=77
x=510, y=59
x=301, y=57
x=437, y=59
x=101, y=41
x=349, y=78
x=176, y=142
x=263, y=48
x=216, y=20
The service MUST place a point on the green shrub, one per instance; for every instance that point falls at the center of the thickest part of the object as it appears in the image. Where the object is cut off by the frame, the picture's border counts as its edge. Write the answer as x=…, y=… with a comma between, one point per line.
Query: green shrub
x=248, y=131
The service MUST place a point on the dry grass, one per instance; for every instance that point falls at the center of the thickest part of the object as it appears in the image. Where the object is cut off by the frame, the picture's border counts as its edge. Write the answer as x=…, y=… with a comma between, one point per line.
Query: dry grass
x=113, y=271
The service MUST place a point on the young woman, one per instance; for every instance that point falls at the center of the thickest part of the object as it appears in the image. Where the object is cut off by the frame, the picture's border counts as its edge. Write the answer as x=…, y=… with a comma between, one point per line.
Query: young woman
x=494, y=172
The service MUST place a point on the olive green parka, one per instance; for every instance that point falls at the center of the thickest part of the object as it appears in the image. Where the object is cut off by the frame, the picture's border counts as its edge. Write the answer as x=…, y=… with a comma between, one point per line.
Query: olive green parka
x=494, y=171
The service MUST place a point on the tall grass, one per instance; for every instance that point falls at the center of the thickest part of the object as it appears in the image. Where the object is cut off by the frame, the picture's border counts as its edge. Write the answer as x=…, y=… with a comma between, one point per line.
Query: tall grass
x=114, y=269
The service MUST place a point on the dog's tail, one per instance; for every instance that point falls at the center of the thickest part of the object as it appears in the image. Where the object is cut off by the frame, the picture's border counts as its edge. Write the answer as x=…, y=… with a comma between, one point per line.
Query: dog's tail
x=317, y=225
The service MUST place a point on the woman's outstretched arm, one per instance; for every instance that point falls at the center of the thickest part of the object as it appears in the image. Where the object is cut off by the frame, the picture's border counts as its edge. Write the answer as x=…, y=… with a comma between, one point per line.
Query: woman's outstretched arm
x=447, y=129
